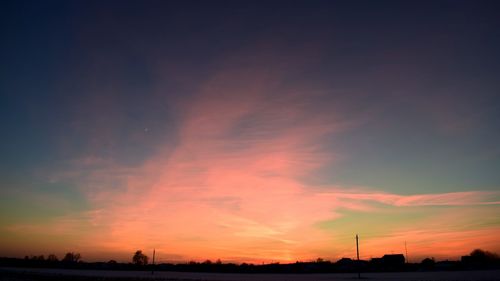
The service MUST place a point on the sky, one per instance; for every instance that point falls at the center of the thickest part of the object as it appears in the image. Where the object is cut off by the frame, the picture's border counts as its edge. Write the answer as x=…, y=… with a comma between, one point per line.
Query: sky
x=249, y=131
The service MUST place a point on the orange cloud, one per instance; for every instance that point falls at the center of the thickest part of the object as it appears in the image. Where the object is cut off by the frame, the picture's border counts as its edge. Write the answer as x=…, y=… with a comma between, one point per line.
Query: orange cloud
x=232, y=185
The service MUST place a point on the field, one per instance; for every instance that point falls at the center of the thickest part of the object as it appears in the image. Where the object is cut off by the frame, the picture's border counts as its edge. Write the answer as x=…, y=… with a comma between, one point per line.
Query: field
x=18, y=274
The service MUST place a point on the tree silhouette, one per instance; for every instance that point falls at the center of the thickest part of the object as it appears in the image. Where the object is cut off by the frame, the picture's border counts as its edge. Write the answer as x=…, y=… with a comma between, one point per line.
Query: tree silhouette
x=483, y=255
x=139, y=258
x=52, y=258
x=71, y=257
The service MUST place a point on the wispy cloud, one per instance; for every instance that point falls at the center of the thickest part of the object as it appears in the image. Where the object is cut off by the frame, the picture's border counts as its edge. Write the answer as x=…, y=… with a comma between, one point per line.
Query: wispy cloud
x=232, y=184
x=439, y=199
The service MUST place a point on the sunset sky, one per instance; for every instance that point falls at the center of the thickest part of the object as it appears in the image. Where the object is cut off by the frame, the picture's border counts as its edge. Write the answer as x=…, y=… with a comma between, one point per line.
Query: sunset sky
x=250, y=131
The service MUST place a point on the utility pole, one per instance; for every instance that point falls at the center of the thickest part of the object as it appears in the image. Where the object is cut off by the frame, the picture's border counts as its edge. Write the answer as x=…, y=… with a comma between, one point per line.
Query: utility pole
x=357, y=254
x=406, y=250
x=153, y=268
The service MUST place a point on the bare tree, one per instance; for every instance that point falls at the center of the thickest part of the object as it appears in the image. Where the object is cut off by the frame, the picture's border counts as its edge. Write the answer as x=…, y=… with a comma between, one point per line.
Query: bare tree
x=52, y=258
x=72, y=257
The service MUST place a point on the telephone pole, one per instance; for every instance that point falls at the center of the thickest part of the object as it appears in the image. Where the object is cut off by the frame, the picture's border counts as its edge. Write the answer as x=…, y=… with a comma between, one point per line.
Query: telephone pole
x=357, y=254
x=153, y=268
x=406, y=250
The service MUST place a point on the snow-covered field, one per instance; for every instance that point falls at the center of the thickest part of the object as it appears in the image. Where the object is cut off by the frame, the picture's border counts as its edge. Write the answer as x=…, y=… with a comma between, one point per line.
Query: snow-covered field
x=18, y=274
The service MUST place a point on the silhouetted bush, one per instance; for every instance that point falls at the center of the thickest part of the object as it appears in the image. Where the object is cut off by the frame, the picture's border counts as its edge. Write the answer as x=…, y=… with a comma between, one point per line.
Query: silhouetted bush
x=428, y=263
x=480, y=259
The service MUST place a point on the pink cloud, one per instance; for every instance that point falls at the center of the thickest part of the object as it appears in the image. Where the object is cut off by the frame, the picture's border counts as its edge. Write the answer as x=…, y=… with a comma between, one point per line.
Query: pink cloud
x=439, y=199
x=231, y=187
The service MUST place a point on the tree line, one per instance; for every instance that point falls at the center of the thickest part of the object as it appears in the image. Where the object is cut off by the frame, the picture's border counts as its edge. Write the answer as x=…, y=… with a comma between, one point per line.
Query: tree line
x=70, y=257
x=477, y=259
